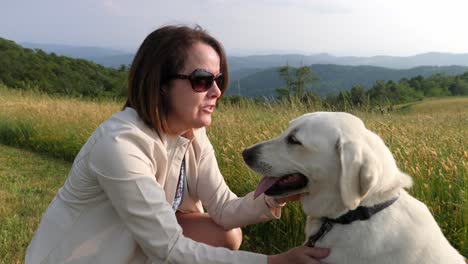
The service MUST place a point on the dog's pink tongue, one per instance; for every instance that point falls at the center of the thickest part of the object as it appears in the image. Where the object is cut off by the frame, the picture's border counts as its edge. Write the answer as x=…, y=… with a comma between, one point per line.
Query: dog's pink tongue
x=264, y=184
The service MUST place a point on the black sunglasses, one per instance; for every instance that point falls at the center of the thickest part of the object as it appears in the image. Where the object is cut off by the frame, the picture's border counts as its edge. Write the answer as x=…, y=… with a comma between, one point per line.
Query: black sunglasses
x=201, y=80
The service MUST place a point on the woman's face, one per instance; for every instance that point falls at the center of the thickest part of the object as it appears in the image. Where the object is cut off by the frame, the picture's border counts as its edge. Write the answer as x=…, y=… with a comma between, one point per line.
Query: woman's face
x=189, y=109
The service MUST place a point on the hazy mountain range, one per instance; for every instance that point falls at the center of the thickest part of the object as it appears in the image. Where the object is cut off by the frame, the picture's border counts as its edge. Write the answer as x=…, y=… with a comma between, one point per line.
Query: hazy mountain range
x=115, y=58
x=257, y=75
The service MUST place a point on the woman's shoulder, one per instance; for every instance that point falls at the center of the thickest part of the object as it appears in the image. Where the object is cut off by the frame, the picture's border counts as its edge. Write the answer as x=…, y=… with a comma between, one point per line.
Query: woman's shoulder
x=127, y=122
x=124, y=137
x=124, y=132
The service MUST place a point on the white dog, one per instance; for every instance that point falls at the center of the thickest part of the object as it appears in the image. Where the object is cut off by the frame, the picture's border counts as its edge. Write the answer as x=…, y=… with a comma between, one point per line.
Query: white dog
x=353, y=192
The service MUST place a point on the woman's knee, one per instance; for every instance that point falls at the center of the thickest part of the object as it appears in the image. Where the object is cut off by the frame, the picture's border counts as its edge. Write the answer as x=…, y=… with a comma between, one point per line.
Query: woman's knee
x=233, y=238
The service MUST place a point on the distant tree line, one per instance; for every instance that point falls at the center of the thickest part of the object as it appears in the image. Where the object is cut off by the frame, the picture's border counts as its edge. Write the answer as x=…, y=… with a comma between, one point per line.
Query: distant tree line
x=300, y=87
x=36, y=70
x=384, y=94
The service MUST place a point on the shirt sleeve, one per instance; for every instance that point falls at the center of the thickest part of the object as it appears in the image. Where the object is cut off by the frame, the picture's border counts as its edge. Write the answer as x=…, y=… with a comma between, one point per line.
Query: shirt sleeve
x=124, y=168
x=221, y=203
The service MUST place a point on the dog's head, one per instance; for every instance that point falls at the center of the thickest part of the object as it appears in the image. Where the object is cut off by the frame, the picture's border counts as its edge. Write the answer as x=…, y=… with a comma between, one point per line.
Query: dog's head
x=329, y=157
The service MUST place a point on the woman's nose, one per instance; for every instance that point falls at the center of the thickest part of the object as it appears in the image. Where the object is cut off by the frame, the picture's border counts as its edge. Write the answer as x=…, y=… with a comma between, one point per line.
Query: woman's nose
x=214, y=91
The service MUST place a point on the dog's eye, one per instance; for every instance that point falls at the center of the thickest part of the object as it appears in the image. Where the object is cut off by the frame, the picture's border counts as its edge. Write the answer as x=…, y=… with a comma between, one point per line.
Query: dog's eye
x=291, y=139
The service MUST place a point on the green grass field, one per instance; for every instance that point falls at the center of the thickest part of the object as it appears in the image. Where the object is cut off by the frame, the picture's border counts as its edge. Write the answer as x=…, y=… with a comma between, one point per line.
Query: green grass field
x=428, y=139
x=28, y=183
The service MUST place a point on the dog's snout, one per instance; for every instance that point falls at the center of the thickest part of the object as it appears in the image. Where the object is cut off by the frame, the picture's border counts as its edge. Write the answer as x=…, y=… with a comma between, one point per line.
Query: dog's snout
x=250, y=155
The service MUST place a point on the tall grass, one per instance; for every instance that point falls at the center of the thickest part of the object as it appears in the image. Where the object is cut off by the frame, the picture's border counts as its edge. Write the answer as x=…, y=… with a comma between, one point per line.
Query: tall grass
x=53, y=125
x=427, y=139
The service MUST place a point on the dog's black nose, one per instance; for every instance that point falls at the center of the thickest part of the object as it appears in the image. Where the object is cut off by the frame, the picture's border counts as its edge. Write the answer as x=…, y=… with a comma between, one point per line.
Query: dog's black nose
x=250, y=155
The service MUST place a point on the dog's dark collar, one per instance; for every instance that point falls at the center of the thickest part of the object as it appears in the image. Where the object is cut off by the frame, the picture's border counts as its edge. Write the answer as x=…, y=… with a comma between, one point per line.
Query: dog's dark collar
x=360, y=213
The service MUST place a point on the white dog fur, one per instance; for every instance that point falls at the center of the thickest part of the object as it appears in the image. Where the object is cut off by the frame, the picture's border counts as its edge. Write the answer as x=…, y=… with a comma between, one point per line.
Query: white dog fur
x=349, y=166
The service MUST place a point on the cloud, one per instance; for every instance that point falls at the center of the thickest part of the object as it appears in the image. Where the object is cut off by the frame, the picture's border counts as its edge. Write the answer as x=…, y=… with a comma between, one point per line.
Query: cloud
x=346, y=27
x=314, y=6
x=111, y=6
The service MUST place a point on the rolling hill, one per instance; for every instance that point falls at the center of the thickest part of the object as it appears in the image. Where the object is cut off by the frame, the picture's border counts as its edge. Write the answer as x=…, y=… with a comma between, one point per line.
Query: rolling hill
x=333, y=78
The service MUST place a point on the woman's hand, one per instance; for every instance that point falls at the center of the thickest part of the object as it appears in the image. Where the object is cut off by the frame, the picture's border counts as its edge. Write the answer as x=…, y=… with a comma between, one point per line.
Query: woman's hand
x=300, y=255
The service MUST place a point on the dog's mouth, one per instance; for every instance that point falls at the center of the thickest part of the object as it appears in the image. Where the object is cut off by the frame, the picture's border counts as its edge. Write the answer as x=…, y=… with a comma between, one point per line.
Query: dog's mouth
x=275, y=186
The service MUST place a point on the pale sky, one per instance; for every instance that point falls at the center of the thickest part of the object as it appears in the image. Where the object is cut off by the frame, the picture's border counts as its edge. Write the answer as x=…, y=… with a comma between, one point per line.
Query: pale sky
x=338, y=27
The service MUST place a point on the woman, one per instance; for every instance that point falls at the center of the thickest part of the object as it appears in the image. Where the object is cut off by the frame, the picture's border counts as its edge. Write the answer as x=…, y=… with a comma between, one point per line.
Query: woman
x=137, y=188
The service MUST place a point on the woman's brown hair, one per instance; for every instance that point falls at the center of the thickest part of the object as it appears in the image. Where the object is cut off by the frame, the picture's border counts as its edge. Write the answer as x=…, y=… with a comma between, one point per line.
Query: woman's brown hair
x=162, y=54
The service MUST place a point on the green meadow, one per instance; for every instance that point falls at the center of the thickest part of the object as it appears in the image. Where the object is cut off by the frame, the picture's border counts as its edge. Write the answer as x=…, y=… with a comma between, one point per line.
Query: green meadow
x=40, y=136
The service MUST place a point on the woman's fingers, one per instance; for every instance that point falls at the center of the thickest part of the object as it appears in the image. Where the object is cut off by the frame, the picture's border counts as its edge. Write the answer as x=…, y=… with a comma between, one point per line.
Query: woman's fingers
x=300, y=255
x=317, y=253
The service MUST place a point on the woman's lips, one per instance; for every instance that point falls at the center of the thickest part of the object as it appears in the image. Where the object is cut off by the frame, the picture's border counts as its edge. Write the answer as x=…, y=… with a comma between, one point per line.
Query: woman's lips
x=208, y=108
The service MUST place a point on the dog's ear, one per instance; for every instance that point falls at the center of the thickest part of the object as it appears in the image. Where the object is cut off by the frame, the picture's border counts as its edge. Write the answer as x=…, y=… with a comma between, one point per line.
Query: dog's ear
x=359, y=171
